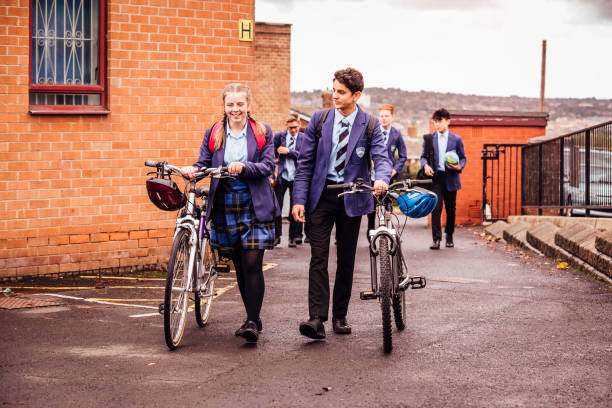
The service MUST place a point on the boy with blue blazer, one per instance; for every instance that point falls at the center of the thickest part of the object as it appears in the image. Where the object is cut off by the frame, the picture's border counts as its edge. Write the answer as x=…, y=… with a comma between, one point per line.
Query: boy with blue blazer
x=446, y=181
x=286, y=148
x=340, y=154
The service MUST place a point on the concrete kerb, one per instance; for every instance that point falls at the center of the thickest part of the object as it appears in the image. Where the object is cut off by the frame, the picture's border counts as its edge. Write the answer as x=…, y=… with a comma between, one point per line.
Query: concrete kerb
x=516, y=234
x=496, y=229
x=564, y=238
x=603, y=243
x=542, y=237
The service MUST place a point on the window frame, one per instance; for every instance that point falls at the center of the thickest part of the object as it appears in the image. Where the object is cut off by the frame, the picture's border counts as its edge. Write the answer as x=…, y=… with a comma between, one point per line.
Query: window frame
x=71, y=89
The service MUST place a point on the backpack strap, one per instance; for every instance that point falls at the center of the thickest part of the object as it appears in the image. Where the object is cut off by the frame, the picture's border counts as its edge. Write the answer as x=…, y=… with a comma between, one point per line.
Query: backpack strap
x=320, y=124
x=370, y=129
x=259, y=138
x=369, y=133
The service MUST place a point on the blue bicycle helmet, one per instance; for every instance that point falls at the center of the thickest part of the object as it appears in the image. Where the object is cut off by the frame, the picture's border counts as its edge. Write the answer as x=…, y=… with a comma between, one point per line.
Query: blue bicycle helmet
x=417, y=203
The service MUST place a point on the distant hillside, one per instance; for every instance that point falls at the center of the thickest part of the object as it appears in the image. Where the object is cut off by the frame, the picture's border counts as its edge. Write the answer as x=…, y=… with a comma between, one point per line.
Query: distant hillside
x=415, y=108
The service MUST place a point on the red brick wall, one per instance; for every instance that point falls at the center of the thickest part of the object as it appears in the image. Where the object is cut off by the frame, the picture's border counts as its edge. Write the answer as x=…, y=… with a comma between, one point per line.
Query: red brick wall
x=474, y=136
x=72, y=187
x=271, y=91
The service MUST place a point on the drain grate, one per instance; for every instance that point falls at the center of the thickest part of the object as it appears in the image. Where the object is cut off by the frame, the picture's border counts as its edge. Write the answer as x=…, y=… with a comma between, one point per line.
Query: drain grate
x=21, y=302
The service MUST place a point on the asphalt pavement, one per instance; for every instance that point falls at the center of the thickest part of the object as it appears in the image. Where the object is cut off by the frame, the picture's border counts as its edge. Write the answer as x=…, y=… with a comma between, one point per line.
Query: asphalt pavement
x=495, y=327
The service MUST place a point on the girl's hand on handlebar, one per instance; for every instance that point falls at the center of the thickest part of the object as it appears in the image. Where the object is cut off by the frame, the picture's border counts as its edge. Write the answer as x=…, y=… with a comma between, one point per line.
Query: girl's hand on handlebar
x=189, y=171
x=380, y=187
x=235, y=168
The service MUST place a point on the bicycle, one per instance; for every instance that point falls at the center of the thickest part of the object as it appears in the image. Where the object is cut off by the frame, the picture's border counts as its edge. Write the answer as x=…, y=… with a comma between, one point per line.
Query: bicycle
x=386, y=251
x=193, y=266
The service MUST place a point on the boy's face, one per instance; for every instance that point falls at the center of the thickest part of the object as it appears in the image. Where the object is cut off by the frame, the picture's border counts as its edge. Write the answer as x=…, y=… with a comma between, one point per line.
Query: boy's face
x=293, y=128
x=441, y=125
x=385, y=117
x=344, y=99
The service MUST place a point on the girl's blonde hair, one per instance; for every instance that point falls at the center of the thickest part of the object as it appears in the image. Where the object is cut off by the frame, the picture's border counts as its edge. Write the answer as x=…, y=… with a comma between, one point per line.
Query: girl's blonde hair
x=236, y=88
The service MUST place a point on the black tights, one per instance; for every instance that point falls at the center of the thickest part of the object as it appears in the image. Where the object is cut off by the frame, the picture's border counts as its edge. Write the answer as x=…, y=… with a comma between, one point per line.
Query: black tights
x=249, y=274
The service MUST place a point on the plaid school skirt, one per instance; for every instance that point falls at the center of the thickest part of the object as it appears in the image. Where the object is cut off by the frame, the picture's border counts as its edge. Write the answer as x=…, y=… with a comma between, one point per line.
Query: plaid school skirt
x=234, y=224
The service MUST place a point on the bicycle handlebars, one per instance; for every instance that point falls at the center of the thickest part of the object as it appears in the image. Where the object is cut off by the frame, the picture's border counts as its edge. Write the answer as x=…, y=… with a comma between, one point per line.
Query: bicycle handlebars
x=359, y=186
x=214, y=171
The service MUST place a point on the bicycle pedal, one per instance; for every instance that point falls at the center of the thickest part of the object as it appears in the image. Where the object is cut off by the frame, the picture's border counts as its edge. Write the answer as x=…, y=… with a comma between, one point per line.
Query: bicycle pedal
x=160, y=308
x=418, y=282
x=367, y=295
x=222, y=268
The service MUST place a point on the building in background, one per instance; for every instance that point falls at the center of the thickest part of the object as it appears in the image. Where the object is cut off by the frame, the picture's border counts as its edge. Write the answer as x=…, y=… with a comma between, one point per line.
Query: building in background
x=88, y=95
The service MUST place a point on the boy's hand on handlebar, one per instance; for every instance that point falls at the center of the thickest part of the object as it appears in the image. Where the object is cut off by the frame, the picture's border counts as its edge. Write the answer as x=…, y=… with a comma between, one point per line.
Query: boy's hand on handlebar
x=235, y=168
x=189, y=171
x=380, y=187
x=298, y=213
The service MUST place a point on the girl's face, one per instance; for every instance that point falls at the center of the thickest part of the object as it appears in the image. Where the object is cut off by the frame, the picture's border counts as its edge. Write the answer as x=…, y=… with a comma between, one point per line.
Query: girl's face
x=236, y=107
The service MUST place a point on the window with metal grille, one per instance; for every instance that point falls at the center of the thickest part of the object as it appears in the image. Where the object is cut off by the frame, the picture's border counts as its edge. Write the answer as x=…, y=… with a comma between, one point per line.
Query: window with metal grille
x=67, y=57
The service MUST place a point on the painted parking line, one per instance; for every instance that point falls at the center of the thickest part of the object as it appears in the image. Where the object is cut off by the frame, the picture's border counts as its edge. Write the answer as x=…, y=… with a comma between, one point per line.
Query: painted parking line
x=218, y=293
x=98, y=301
x=120, y=302
x=458, y=280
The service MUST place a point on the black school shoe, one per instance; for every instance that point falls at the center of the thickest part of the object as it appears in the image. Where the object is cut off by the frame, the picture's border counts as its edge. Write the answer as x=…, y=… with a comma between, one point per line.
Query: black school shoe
x=449, y=241
x=341, y=326
x=435, y=245
x=313, y=328
x=241, y=328
x=250, y=333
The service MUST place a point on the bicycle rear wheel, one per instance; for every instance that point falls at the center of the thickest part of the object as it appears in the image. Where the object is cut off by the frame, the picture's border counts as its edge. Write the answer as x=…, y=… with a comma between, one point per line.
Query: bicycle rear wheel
x=385, y=291
x=399, y=298
x=204, y=296
x=177, y=292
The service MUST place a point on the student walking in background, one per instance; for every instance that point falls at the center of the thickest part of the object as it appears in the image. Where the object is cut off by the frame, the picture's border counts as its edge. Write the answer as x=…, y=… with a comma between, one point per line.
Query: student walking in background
x=448, y=161
x=395, y=144
x=286, y=147
x=340, y=154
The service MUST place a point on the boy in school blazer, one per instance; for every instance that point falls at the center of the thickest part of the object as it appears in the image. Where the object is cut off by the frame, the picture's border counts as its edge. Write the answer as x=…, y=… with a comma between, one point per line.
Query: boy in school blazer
x=446, y=181
x=340, y=155
x=287, y=146
x=395, y=143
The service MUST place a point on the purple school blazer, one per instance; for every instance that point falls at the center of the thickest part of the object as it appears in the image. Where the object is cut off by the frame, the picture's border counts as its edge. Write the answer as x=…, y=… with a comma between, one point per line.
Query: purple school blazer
x=280, y=139
x=453, y=182
x=312, y=165
x=259, y=167
x=396, y=142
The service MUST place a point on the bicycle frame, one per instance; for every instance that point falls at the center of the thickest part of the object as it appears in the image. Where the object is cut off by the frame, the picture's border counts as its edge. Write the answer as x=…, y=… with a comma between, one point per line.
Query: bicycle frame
x=197, y=232
x=385, y=228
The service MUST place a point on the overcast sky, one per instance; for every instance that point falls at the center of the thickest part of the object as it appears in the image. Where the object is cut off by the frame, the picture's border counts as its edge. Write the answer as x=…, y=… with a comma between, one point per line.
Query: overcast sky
x=483, y=47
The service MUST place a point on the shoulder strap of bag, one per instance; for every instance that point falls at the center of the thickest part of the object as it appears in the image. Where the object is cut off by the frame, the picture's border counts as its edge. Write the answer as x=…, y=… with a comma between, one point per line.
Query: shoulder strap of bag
x=259, y=138
x=429, y=150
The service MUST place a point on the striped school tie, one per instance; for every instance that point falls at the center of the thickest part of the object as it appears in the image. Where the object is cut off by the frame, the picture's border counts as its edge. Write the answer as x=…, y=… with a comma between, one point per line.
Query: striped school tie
x=342, y=147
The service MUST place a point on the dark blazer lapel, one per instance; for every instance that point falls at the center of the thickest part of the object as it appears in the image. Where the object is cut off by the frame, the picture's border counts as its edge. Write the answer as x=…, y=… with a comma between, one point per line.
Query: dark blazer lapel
x=251, y=143
x=356, y=132
x=452, y=142
x=434, y=140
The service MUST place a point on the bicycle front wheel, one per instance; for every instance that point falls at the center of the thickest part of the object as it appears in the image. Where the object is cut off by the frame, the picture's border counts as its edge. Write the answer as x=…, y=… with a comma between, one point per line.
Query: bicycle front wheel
x=399, y=298
x=385, y=291
x=205, y=293
x=176, y=297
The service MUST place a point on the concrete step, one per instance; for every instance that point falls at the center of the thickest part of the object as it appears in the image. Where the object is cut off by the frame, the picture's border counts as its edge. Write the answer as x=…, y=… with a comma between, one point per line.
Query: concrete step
x=516, y=234
x=497, y=229
x=603, y=242
x=542, y=237
x=579, y=240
